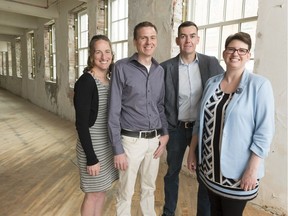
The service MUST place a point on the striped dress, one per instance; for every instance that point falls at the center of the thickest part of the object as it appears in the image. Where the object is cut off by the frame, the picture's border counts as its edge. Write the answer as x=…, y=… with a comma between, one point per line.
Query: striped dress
x=103, y=150
x=210, y=170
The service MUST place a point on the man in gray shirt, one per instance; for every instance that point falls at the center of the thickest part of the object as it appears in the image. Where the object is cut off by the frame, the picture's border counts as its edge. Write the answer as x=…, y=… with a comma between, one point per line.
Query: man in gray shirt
x=136, y=120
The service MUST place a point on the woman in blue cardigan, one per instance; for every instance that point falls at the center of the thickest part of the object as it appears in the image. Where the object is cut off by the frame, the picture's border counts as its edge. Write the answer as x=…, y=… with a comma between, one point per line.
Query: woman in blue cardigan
x=235, y=130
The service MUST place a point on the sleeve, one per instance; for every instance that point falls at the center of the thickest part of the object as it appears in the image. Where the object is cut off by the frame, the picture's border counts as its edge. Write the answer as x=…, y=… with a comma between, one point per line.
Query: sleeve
x=114, y=111
x=161, y=109
x=216, y=67
x=83, y=94
x=264, y=120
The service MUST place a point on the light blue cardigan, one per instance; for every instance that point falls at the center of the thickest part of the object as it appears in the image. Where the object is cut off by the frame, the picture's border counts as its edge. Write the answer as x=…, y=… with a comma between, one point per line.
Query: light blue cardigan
x=248, y=125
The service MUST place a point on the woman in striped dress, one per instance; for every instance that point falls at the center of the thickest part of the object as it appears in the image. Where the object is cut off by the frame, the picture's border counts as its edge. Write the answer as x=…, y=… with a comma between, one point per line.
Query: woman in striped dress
x=235, y=129
x=94, y=153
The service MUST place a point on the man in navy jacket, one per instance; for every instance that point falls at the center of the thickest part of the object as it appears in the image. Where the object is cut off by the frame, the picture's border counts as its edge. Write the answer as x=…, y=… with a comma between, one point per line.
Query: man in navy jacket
x=185, y=77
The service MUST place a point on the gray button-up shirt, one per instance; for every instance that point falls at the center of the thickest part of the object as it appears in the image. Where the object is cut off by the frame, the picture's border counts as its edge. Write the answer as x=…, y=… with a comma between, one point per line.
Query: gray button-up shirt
x=136, y=99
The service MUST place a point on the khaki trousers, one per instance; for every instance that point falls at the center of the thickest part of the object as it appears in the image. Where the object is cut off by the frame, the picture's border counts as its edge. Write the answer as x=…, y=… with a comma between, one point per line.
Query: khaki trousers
x=139, y=152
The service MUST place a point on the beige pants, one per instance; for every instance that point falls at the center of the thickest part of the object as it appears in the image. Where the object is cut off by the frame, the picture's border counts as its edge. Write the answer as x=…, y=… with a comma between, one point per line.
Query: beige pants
x=140, y=158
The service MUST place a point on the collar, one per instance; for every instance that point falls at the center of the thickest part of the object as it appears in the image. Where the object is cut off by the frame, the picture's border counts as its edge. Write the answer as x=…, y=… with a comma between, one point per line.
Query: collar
x=134, y=58
x=196, y=60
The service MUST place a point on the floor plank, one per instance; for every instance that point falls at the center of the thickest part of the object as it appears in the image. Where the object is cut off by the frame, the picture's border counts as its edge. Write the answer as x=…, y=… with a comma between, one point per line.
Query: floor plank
x=38, y=174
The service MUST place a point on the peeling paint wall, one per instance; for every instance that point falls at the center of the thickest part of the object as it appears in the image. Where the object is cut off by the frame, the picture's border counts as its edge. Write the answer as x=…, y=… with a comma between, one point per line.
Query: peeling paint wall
x=158, y=13
x=271, y=62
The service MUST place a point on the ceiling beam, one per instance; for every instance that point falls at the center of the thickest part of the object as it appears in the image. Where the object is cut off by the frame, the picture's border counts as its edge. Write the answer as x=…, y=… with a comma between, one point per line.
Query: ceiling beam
x=49, y=13
x=17, y=20
x=5, y=30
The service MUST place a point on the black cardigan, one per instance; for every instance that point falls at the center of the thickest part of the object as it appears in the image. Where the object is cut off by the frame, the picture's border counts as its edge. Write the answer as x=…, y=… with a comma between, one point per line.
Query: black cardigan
x=86, y=102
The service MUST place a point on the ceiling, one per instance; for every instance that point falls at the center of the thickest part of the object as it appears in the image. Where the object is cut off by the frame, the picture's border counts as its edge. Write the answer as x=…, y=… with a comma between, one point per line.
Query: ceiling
x=16, y=16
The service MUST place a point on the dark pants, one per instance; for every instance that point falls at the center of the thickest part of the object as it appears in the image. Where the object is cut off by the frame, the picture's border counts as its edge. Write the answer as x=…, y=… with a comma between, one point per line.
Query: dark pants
x=221, y=206
x=179, y=138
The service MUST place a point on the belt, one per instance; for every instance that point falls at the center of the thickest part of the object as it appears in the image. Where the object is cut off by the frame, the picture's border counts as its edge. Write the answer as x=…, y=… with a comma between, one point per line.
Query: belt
x=182, y=124
x=142, y=134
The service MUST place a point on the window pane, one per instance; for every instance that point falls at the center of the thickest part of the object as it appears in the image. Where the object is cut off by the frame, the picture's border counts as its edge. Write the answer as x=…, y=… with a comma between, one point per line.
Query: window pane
x=9, y=56
x=227, y=30
x=222, y=63
x=122, y=10
x=199, y=47
x=114, y=11
x=53, y=39
x=119, y=50
x=80, y=70
x=84, y=39
x=216, y=11
x=54, y=69
x=250, y=65
x=212, y=41
x=250, y=28
x=84, y=22
x=122, y=25
x=18, y=57
x=233, y=9
x=1, y=64
x=114, y=37
x=83, y=56
x=125, y=49
x=251, y=8
x=201, y=9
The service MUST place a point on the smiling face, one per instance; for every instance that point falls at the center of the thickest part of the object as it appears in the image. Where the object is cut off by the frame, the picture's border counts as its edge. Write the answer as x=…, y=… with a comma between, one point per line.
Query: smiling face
x=102, y=57
x=146, y=41
x=233, y=60
x=187, y=40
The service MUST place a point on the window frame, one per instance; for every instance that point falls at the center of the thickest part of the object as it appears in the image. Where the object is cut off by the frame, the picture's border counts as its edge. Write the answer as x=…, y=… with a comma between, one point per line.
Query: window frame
x=78, y=39
x=52, y=52
x=190, y=6
x=119, y=46
x=31, y=55
x=18, y=57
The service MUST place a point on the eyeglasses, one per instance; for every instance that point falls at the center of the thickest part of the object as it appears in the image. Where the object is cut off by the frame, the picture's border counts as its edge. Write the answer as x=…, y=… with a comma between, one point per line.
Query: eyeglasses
x=240, y=51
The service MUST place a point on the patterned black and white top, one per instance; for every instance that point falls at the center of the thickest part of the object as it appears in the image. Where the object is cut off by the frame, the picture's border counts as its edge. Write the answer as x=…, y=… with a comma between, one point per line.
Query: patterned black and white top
x=210, y=170
x=99, y=136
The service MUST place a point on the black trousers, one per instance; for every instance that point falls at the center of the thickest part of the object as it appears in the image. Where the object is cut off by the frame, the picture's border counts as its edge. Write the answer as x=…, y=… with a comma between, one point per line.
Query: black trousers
x=221, y=206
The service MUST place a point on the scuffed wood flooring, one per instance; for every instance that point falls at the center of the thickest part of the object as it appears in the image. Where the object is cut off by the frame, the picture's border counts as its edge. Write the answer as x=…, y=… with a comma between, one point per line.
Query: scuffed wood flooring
x=38, y=172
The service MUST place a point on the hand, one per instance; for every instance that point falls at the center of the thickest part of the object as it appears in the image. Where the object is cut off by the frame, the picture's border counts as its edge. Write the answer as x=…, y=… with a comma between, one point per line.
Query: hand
x=249, y=179
x=163, y=140
x=120, y=162
x=191, y=160
x=94, y=169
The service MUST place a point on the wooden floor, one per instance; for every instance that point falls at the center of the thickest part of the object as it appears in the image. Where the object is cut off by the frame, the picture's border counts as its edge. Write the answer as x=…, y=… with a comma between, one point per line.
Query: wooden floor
x=38, y=175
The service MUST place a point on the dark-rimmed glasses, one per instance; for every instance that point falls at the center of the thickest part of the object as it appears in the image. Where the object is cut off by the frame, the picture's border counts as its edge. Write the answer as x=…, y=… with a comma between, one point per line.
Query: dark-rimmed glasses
x=240, y=51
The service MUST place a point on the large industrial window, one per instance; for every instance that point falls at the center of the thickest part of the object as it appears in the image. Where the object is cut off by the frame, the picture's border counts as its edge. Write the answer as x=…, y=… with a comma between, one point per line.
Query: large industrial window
x=3, y=66
x=31, y=55
x=217, y=19
x=18, y=57
x=81, y=41
x=50, y=52
x=118, y=27
x=9, y=59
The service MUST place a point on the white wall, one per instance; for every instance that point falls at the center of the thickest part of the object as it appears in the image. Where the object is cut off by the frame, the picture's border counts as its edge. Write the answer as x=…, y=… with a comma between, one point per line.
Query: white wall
x=271, y=62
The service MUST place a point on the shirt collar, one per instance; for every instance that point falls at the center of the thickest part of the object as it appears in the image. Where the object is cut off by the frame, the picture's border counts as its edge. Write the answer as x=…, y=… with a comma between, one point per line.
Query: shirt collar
x=182, y=63
x=134, y=57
